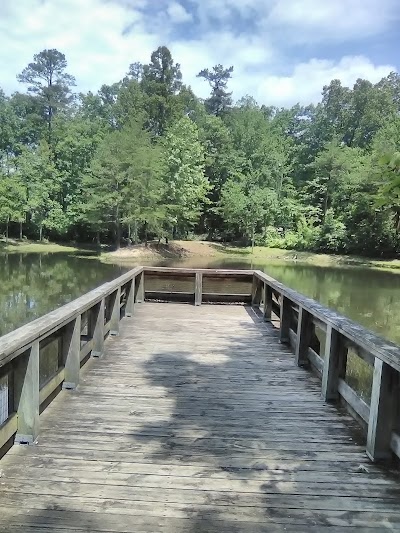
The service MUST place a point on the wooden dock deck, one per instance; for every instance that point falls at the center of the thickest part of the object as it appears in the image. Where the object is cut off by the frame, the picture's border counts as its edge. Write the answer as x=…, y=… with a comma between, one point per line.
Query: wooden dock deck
x=196, y=420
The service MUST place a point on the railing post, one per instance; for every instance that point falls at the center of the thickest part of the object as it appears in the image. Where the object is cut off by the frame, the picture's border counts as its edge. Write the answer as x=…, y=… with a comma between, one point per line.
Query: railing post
x=256, y=292
x=71, y=345
x=97, y=328
x=286, y=310
x=115, y=312
x=335, y=360
x=304, y=329
x=198, y=289
x=267, y=302
x=383, y=410
x=130, y=298
x=139, y=287
x=26, y=395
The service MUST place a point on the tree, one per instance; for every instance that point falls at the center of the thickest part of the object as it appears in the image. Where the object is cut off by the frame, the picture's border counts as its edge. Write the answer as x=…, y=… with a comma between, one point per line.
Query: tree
x=219, y=163
x=47, y=79
x=13, y=201
x=247, y=206
x=186, y=186
x=42, y=186
x=161, y=81
x=122, y=184
x=389, y=191
x=220, y=100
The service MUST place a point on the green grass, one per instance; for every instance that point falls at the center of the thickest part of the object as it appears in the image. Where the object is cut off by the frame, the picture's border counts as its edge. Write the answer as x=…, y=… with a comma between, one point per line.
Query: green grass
x=263, y=253
x=14, y=246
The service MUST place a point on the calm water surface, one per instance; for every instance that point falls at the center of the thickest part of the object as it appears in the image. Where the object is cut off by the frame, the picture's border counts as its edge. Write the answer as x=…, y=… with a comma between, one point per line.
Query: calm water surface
x=34, y=284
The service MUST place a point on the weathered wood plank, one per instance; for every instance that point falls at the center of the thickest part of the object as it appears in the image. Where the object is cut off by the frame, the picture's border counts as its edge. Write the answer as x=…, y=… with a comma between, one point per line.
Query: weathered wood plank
x=26, y=395
x=196, y=419
x=384, y=410
x=352, y=398
x=198, y=288
x=72, y=353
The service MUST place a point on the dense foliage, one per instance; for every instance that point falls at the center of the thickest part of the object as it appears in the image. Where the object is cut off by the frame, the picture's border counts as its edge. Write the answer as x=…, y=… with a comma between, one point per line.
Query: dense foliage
x=145, y=158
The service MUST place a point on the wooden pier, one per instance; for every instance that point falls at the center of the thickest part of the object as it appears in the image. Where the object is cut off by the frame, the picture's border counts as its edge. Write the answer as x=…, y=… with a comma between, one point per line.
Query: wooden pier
x=138, y=412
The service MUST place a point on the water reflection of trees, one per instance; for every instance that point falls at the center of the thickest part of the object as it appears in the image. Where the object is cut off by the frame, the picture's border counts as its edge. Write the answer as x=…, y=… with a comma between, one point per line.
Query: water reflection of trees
x=34, y=284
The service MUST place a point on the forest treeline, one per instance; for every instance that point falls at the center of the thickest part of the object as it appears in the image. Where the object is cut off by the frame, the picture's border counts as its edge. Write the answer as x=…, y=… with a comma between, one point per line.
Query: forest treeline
x=146, y=158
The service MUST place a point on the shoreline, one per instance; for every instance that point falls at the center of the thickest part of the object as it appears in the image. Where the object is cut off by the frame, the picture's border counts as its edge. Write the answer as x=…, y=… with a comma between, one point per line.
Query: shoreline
x=204, y=251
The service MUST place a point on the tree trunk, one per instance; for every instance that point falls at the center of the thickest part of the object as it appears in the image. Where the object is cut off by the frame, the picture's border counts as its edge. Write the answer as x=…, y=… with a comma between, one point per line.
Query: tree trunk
x=98, y=242
x=20, y=231
x=117, y=229
x=7, y=223
x=252, y=238
x=118, y=236
x=135, y=232
x=146, y=237
x=40, y=233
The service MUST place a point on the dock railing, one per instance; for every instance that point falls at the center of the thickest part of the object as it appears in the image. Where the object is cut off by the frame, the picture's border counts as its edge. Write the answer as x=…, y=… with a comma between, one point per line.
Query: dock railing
x=39, y=359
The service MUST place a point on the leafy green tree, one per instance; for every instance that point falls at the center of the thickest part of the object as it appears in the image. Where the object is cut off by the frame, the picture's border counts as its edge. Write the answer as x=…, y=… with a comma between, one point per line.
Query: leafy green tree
x=47, y=80
x=41, y=181
x=13, y=201
x=247, y=206
x=186, y=186
x=161, y=81
x=220, y=99
x=122, y=184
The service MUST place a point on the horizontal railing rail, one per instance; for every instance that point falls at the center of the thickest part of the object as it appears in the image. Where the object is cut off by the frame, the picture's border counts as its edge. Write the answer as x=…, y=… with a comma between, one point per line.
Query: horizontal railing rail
x=299, y=317
x=40, y=358
x=193, y=283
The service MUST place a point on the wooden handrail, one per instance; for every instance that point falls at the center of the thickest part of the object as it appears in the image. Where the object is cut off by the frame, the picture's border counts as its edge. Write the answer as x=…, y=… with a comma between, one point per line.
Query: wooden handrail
x=382, y=415
x=384, y=349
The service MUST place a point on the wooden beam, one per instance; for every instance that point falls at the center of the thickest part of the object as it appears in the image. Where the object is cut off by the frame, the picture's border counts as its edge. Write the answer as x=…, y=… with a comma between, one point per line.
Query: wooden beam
x=285, y=314
x=115, y=299
x=51, y=385
x=71, y=345
x=304, y=330
x=130, y=298
x=26, y=395
x=96, y=328
x=256, y=292
x=8, y=429
x=198, y=288
x=352, y=398
x=139, y=288
x=335, y=361
x=384, y=410
x=267, y=302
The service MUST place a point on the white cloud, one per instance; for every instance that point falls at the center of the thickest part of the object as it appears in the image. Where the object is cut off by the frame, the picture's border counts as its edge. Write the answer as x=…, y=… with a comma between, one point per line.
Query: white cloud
x=305, y=83
x=178, y=14
x=338, y=20
x=101, y=38
x=90, y=34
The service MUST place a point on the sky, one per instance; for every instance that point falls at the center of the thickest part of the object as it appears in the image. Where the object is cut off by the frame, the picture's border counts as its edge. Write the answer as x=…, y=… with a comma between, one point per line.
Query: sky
x=283, y=51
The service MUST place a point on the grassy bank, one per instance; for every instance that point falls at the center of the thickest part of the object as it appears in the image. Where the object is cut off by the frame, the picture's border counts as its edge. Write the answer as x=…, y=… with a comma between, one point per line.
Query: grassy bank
x=204, y=251
x=201, y=253
x=25, y=246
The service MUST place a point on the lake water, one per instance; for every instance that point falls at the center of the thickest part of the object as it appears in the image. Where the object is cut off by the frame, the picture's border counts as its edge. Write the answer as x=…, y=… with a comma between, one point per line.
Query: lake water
x=34, y=284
